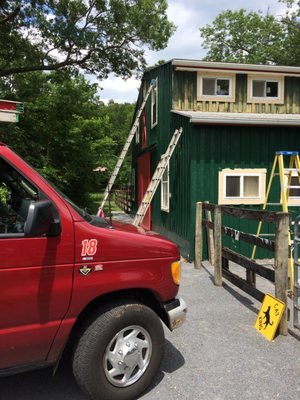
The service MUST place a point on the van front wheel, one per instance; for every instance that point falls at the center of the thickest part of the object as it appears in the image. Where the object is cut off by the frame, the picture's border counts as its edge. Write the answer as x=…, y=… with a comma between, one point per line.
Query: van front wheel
x=119, y=353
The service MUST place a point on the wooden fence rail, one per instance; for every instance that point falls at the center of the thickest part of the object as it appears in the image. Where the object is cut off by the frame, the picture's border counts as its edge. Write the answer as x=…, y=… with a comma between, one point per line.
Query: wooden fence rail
x=123, y=199
x=220, y=256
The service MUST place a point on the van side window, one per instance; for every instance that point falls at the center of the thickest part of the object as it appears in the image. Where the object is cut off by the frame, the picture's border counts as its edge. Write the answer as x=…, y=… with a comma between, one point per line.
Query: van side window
x=16, y=194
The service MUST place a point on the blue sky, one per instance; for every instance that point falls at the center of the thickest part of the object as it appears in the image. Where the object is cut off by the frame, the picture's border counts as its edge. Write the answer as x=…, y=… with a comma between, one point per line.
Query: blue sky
x=188, y=16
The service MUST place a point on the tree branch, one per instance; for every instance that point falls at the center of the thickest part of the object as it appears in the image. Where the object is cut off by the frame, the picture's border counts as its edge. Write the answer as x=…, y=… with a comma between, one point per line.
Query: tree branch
x=84, y=36
x=10, y=16
x=53, y=67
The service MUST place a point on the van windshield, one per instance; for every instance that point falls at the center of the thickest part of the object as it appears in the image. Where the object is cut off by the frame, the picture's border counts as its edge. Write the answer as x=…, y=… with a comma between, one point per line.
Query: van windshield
x=84, y=214
x=28, y=187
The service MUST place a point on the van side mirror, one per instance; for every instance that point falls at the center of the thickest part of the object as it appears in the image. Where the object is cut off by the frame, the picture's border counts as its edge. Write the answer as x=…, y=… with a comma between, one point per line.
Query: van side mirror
x=40, y=220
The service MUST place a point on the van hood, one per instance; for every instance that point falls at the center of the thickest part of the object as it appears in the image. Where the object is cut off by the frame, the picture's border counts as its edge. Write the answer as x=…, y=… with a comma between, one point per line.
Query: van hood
x=123, y=226
x=123, y=242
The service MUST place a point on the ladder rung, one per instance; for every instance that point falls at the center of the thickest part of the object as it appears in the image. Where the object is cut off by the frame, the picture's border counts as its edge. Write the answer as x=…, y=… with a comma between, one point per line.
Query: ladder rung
x=285, y=175
x=156, y=178
x=287, y=170
x=286, y=153
x=127, y=144
x=297, y=326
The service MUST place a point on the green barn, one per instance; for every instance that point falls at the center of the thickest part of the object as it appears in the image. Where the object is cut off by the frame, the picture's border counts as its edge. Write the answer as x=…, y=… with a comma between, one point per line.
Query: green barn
x=234, y=118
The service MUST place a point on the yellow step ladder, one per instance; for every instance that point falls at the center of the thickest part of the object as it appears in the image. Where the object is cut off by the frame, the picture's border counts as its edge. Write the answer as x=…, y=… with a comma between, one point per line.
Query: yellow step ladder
x=285, y=176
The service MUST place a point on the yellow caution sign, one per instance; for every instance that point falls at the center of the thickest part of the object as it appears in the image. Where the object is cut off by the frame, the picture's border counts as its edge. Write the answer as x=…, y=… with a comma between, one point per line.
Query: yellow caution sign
x=269, y=316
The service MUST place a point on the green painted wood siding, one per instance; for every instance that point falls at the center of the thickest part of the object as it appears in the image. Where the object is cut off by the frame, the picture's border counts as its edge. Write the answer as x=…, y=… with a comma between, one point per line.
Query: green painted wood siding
x=202, y=153
x=185, y=97
x=159, y=136
x=176, y=224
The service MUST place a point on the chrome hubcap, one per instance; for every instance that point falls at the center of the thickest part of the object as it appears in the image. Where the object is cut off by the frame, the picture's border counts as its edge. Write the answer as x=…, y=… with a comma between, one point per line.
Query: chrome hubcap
x=127, y=356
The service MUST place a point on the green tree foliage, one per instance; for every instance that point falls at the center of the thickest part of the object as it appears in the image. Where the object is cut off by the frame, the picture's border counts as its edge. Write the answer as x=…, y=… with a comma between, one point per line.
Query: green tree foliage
x=66, y=131
x=113, y=129
x=251, y=37
x=97, y=36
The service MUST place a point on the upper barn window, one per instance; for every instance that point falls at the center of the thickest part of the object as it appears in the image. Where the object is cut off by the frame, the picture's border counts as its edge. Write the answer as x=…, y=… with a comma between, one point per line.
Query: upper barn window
x=265, y=89
x=219, y=87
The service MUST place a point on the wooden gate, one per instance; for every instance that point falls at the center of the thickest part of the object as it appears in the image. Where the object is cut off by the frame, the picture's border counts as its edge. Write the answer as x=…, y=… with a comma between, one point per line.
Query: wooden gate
x=220, y=256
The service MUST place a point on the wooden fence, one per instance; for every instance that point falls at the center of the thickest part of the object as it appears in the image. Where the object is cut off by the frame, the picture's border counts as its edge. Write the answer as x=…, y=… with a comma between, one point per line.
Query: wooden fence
x=123, y=199
x=220, y=256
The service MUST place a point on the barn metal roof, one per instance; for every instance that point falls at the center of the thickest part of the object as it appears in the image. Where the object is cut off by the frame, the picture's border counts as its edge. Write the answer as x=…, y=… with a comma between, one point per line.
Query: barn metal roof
x=221, y=118
x=196, y=65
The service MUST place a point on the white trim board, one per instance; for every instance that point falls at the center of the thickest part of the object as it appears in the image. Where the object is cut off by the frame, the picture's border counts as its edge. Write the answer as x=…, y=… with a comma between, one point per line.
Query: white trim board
x=196, y=65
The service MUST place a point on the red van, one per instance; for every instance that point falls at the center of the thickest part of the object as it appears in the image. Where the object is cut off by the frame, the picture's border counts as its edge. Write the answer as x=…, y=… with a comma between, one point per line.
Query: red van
x=70, y=277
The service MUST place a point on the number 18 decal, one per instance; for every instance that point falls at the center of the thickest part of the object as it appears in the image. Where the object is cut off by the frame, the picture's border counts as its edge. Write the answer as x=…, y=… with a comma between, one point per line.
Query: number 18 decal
x=89, y=247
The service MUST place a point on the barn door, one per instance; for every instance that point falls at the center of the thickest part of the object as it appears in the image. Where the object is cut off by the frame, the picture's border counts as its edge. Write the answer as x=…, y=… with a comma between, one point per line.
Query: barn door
x=143, y=183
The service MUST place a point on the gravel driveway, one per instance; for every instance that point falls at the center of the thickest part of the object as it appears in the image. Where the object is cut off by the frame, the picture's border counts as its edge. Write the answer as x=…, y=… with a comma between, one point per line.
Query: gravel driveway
x=216, y=355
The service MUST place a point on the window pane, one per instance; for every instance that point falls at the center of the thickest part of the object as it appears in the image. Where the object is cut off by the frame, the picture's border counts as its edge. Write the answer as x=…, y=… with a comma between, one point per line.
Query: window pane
x=16, y=195
x=258, y=89
x=223, y=87
x=208, y=86
x=165, y=175
x=232, y=186
x=272, y=89
x=295, y=192
x=165, y=195
x=154, y=114
x=165, y=205
x=251, y=186
x=165, y=189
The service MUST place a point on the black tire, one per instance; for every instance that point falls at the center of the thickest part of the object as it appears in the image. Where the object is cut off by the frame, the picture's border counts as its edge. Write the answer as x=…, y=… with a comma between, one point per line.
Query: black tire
x=91, y=366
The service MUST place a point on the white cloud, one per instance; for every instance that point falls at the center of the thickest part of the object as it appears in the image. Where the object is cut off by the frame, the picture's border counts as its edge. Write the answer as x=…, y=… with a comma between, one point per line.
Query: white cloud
x=119, y=90
x=185, y=43
x=188, y=16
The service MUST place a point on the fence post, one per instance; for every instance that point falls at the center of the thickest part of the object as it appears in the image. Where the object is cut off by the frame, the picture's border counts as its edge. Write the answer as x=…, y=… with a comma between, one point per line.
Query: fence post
x=251, y=278
x=198, y=236
x=281, y=265
x=210, y=238
x=218, y=246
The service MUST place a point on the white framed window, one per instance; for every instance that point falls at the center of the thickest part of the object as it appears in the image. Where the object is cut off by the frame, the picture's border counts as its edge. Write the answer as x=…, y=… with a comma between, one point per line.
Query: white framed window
x=218, y=87
x=265, y=89
x=242, y=186
x=154, y=105
x=165, y=190
x=294, y=192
